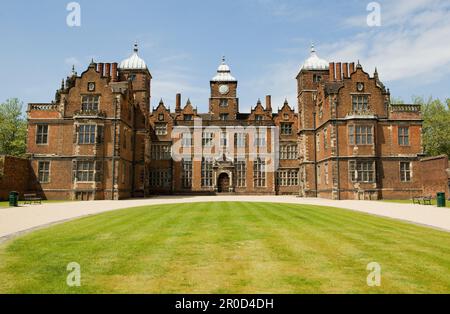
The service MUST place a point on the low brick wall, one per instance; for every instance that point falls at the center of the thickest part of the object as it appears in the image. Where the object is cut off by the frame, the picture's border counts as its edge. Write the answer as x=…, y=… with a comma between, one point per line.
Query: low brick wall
x=14, y=176
x=435, y=175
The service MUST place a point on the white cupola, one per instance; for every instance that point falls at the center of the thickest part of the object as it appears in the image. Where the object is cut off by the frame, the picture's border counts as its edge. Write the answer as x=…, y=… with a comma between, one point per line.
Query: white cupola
x=223, y=73
x=314, y=62
x=134, y=62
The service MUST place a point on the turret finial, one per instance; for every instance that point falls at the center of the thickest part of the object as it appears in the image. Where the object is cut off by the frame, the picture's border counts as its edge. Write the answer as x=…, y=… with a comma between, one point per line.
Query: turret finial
x=136, y=47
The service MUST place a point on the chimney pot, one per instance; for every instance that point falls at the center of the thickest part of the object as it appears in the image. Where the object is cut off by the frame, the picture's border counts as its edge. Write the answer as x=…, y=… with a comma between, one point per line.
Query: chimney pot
x=178, y=103
x=100, y=69
x=345, y=70
x=332, y=73
x=107, y=70
x=269, y=103
x=352, y=68
x=338, y=71
x=114, y=72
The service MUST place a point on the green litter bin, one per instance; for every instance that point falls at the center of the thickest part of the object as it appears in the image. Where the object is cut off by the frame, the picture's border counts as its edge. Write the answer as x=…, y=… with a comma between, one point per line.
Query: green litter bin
x=441, y=199
x=13, y=199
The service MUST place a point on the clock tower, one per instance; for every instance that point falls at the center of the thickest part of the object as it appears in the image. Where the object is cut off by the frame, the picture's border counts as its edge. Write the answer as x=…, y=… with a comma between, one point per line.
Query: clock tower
x=224, y=104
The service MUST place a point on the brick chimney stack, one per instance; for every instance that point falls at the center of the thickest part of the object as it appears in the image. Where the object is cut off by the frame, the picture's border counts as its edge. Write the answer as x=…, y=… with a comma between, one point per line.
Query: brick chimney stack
x=114, y=72
x=352, y=68
x=107, y=70
x=332, y=74
x=100, y=69
x=346, y=70
x=269, y=103
x=178, y=103
x=338, y=71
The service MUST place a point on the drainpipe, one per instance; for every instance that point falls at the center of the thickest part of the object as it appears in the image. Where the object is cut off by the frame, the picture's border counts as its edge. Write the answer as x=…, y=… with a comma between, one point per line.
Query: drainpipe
x=133, y=158
x=316, y=186
x=338, y=162
x=114, y=150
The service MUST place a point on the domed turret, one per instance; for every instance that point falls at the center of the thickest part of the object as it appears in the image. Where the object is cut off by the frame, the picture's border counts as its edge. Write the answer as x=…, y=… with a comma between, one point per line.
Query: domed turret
x=134, y=62
x=314, y=62
x=223, y=73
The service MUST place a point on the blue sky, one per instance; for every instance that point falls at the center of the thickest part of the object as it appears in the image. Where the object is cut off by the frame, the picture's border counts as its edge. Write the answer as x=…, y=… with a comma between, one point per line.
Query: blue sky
x=265, y=43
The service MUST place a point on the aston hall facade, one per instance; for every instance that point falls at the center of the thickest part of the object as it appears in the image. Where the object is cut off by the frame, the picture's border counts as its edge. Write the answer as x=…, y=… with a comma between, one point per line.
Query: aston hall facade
x=343, y=139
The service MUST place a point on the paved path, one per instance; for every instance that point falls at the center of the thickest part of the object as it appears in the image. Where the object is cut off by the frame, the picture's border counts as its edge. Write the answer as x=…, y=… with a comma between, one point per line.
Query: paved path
x=14, y=221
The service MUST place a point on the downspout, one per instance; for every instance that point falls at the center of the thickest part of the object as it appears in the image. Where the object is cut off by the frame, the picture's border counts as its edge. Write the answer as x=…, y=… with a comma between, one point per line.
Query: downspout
x=338, y=160
x=336, y=125
x=114, y=150
x=133, y=158
x=316, y=186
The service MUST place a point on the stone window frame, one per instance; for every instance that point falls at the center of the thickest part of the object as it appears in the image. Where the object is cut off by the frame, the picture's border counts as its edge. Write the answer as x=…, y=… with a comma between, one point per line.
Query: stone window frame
x=403, y=137
x=83, y=132
x=186, y=173
x=44, y=175
x=224, y=139
x=161, y=128
x=87, y=173
x=241, y=173
x=288, y=177
x=326, y=173
x=40, y=135
x=361, y=134
x=240, y=140
x=317, y=78
x=259, y=117
x=360, y=102
x=289, y=151
x=223, y=103
x=286, y=128
x=260, y=139
x=160, y=178
x=406, y=174
x=90, y=103
x=186, y=140
x=259, y=173
x=161, y=151
x=224, y=116
x=207, y=139
x=207, y=173
x=360, y=173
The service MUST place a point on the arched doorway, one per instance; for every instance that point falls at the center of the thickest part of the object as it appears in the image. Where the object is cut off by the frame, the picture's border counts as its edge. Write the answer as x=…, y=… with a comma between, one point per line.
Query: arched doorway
x=223, y=183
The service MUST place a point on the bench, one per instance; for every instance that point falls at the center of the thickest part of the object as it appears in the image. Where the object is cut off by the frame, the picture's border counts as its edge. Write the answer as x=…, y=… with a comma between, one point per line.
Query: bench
x=425, y=200
x=32, y=199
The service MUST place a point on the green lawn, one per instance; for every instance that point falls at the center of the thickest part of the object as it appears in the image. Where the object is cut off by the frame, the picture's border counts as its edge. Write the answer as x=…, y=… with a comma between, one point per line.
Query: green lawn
x=228, y=248
x=410, y=202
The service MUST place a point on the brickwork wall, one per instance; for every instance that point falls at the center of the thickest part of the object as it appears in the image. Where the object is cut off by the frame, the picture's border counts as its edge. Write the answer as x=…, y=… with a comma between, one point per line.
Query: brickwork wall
x=435, y=175
x=14, y=176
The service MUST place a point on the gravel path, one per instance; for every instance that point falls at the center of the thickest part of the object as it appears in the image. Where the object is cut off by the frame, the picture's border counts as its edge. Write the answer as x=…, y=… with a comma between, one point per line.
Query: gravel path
x=14, y=221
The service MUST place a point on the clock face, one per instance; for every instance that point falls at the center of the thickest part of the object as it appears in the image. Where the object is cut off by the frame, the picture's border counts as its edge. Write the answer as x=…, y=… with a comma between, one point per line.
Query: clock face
x=91, y=87
x=360, y=87
x=224, y=89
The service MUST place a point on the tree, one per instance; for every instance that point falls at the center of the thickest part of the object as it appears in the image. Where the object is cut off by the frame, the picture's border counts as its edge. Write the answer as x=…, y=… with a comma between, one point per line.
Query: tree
x=13, y=128
x=436, y=126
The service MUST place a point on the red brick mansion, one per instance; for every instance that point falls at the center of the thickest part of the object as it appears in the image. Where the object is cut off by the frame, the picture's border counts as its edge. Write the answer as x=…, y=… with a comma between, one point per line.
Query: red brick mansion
x=100, y=139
